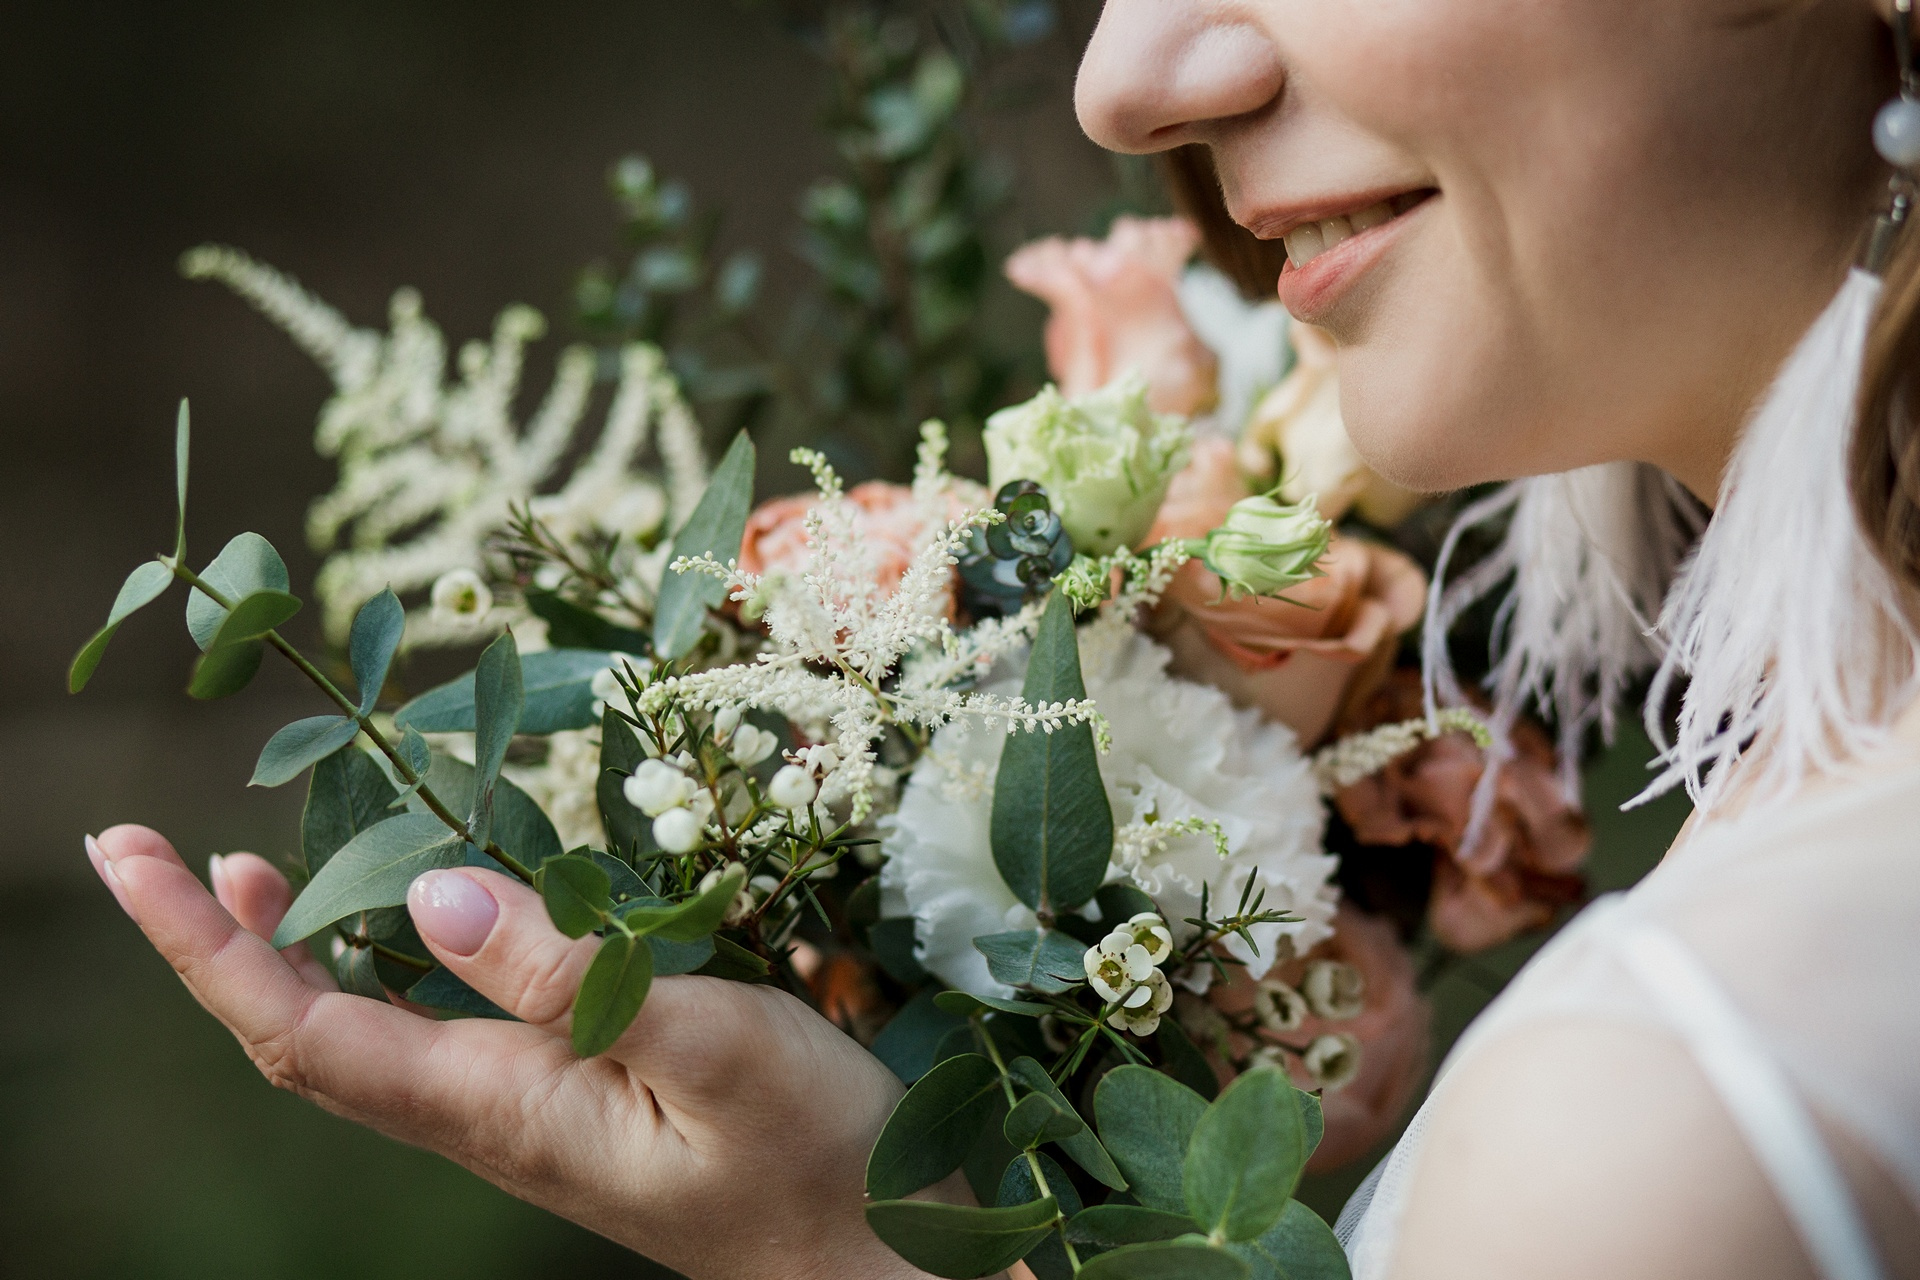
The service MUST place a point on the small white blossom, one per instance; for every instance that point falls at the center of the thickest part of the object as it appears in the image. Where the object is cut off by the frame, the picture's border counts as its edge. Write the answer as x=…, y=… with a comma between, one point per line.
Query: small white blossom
x=1359, y=754
x=725, y=721
x=1337, y=992
x=1333, y=1061
x=750, y=744
x=461, y=593
x=743, y=902
x=678, y=830
x=1139, y=1011
x=657, y=787
x=1115, y=965
x=792, y=788
x=1150, y=931
x=1279, y=1007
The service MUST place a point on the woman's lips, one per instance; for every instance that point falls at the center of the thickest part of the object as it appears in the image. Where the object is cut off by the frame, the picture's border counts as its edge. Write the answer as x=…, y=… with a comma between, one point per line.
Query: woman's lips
x=1310, y=290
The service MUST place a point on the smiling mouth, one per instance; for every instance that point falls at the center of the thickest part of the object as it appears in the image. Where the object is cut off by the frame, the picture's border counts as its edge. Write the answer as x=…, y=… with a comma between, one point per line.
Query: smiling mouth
x=1309, y=240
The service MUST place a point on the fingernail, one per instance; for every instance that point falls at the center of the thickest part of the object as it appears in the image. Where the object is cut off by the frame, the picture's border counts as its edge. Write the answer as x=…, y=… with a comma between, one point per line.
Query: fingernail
x=217, y=880
x=452, y=911
x=104, y=866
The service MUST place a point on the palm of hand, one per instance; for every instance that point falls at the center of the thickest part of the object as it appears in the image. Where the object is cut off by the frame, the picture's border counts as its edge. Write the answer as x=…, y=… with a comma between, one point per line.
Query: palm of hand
x=725, y=1134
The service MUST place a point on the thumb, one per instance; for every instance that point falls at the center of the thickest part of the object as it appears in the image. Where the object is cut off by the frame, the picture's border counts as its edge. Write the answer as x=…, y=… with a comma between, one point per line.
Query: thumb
x=493, y=934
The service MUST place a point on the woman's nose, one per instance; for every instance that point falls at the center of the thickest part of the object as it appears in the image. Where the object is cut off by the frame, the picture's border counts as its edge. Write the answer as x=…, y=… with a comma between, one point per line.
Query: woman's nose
x=1158, y=71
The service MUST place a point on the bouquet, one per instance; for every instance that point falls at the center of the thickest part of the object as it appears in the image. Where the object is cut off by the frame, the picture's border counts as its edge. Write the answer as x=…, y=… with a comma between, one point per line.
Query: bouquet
x=1013, y=782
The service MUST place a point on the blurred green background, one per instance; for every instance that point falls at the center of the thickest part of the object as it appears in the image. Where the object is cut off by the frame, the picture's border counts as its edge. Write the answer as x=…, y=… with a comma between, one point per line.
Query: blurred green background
x=458, y=148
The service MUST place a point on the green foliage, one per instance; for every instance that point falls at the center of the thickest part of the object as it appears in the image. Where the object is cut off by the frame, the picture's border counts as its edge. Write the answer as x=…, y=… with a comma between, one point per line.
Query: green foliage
x=375, y=636
x=1108, y=1226
x=233, y=654
x=961, y=1242
x=1047, y=1260
x=670, y=958
x=1038, y=959
x=556, y=683
x=967, y=1004
x=373, y=870
x=1145, y=1122
x=357, y=973
x=182, y=434
x=733, y=962
x=1245, y=1156
x=611, y=993
x=519, y=825
x=1183, y=1060
x=347, y=794
x=1036, y=1119
x=628, y=831
x=143, y=586
x=443, y=989
x=1081, y=1145
x=1298, y=1247
x=245, y=565
x=693, y=918
x=497, y=700
x=1171, y=1260
x=571, y=627
x=908, y=1041
x=714, y=529
x=300, y=744
x=578, y=893
x=1052, y=823
x=933, y=1127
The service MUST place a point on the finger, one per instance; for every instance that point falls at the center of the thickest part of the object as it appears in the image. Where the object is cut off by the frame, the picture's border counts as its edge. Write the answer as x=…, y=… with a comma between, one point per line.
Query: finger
x=419, y=1080
x=255, y=893
x=493, y=934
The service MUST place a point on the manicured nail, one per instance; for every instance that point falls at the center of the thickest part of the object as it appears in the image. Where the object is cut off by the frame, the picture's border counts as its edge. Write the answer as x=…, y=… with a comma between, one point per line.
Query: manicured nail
x=217, y=880
x=104, y=866
x=452, y=911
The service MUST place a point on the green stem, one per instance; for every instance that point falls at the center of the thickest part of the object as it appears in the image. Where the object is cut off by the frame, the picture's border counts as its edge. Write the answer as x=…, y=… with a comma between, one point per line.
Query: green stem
x=1033, y=1157
x=352, y=711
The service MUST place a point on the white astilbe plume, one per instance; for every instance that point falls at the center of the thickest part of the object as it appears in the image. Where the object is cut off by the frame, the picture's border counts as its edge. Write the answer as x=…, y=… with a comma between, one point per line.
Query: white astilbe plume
x=430, y=467
x=836, y=642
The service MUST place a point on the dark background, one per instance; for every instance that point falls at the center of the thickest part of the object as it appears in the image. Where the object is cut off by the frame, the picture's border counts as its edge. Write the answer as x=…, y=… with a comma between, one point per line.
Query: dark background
x=459, y=148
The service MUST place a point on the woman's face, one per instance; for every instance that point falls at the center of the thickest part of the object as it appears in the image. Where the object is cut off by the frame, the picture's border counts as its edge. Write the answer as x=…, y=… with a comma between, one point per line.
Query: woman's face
x=1544, y=233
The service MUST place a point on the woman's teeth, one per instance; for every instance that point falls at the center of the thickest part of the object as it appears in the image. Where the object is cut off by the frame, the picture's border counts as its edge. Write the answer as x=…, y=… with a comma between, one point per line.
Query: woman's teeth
x=1309, y=240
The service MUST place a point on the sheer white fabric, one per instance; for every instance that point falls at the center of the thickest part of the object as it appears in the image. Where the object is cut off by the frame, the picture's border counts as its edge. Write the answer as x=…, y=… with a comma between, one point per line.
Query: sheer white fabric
x=1783, y=949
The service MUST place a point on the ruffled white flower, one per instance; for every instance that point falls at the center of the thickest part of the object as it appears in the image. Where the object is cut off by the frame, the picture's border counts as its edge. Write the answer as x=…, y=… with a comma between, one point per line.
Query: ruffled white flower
x=1115, y=965
x=1180, y=751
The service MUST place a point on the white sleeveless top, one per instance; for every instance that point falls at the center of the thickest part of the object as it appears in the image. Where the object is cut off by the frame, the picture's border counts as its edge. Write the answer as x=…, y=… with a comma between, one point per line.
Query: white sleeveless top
x=1782, y=948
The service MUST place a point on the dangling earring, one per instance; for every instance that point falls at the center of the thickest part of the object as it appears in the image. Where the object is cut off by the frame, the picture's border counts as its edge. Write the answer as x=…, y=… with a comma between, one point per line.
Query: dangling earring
x=1896, y=136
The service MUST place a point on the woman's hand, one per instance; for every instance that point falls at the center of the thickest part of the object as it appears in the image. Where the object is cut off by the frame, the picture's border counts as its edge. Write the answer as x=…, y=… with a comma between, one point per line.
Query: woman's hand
x=725, y=1134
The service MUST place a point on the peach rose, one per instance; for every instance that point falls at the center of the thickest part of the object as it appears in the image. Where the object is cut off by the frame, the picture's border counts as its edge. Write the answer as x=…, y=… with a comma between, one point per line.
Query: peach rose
x=886, y=517
x=1300, y=660
x=1393, y=1031
x=1526, y=864
x=1116, y=307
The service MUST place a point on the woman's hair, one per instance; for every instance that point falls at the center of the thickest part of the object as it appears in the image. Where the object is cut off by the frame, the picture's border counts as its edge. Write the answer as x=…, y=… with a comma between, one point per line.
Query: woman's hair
x=1884, y=466
x=1251, y=263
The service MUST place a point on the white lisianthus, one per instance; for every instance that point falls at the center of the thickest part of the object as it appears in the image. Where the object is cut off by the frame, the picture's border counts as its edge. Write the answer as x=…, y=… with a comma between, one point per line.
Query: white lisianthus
x=1139, y=1010
x=1105, y=459
x=1115, y=965
x=1180, y=750
x=461, y=593
x=1265, y=547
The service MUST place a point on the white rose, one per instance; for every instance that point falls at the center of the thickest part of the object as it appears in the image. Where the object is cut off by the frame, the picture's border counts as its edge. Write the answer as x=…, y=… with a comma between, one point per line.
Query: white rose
x=1179, y=750
x=1104, y=458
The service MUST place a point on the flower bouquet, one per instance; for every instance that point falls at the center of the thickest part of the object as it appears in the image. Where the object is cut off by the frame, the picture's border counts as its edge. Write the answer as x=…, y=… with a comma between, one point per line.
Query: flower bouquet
x=994, y=777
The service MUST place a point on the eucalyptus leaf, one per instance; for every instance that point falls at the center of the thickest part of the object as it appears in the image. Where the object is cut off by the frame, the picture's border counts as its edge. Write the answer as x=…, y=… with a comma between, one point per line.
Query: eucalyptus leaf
x=373, y=870
x=1245, y=1156
x=245, y=565
x=733, y=962
x=443, y=989
x=498, y=699
x=629, y=831
x=519, y=825
x=1108, y=1226
x=300, y=744
x=226, y=671
x=578, y=893
x=1048, y=1259
x=696, y=917
x=715, y=528
x=895, y=947
x=147, y=583
x=623, y=882
x=1183, y=1060
x=355, y=970
x=1301, y=1246
x=571, y=627
x=1035, y=1119
x=1052, y=825
x=1172, y=1260
x=1039, y=959
x=611, y=993
x=557, y=685
x=957, y=1241
x=1313, y=1118
x=414, y=750
x=1081, y=1146
x=671, y=958
x=966, y=1004
x=1145, y=1122
x=933, y=1127
x=376, y=633
x=347, y=794
x=181, y=436
x=907, y=1043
